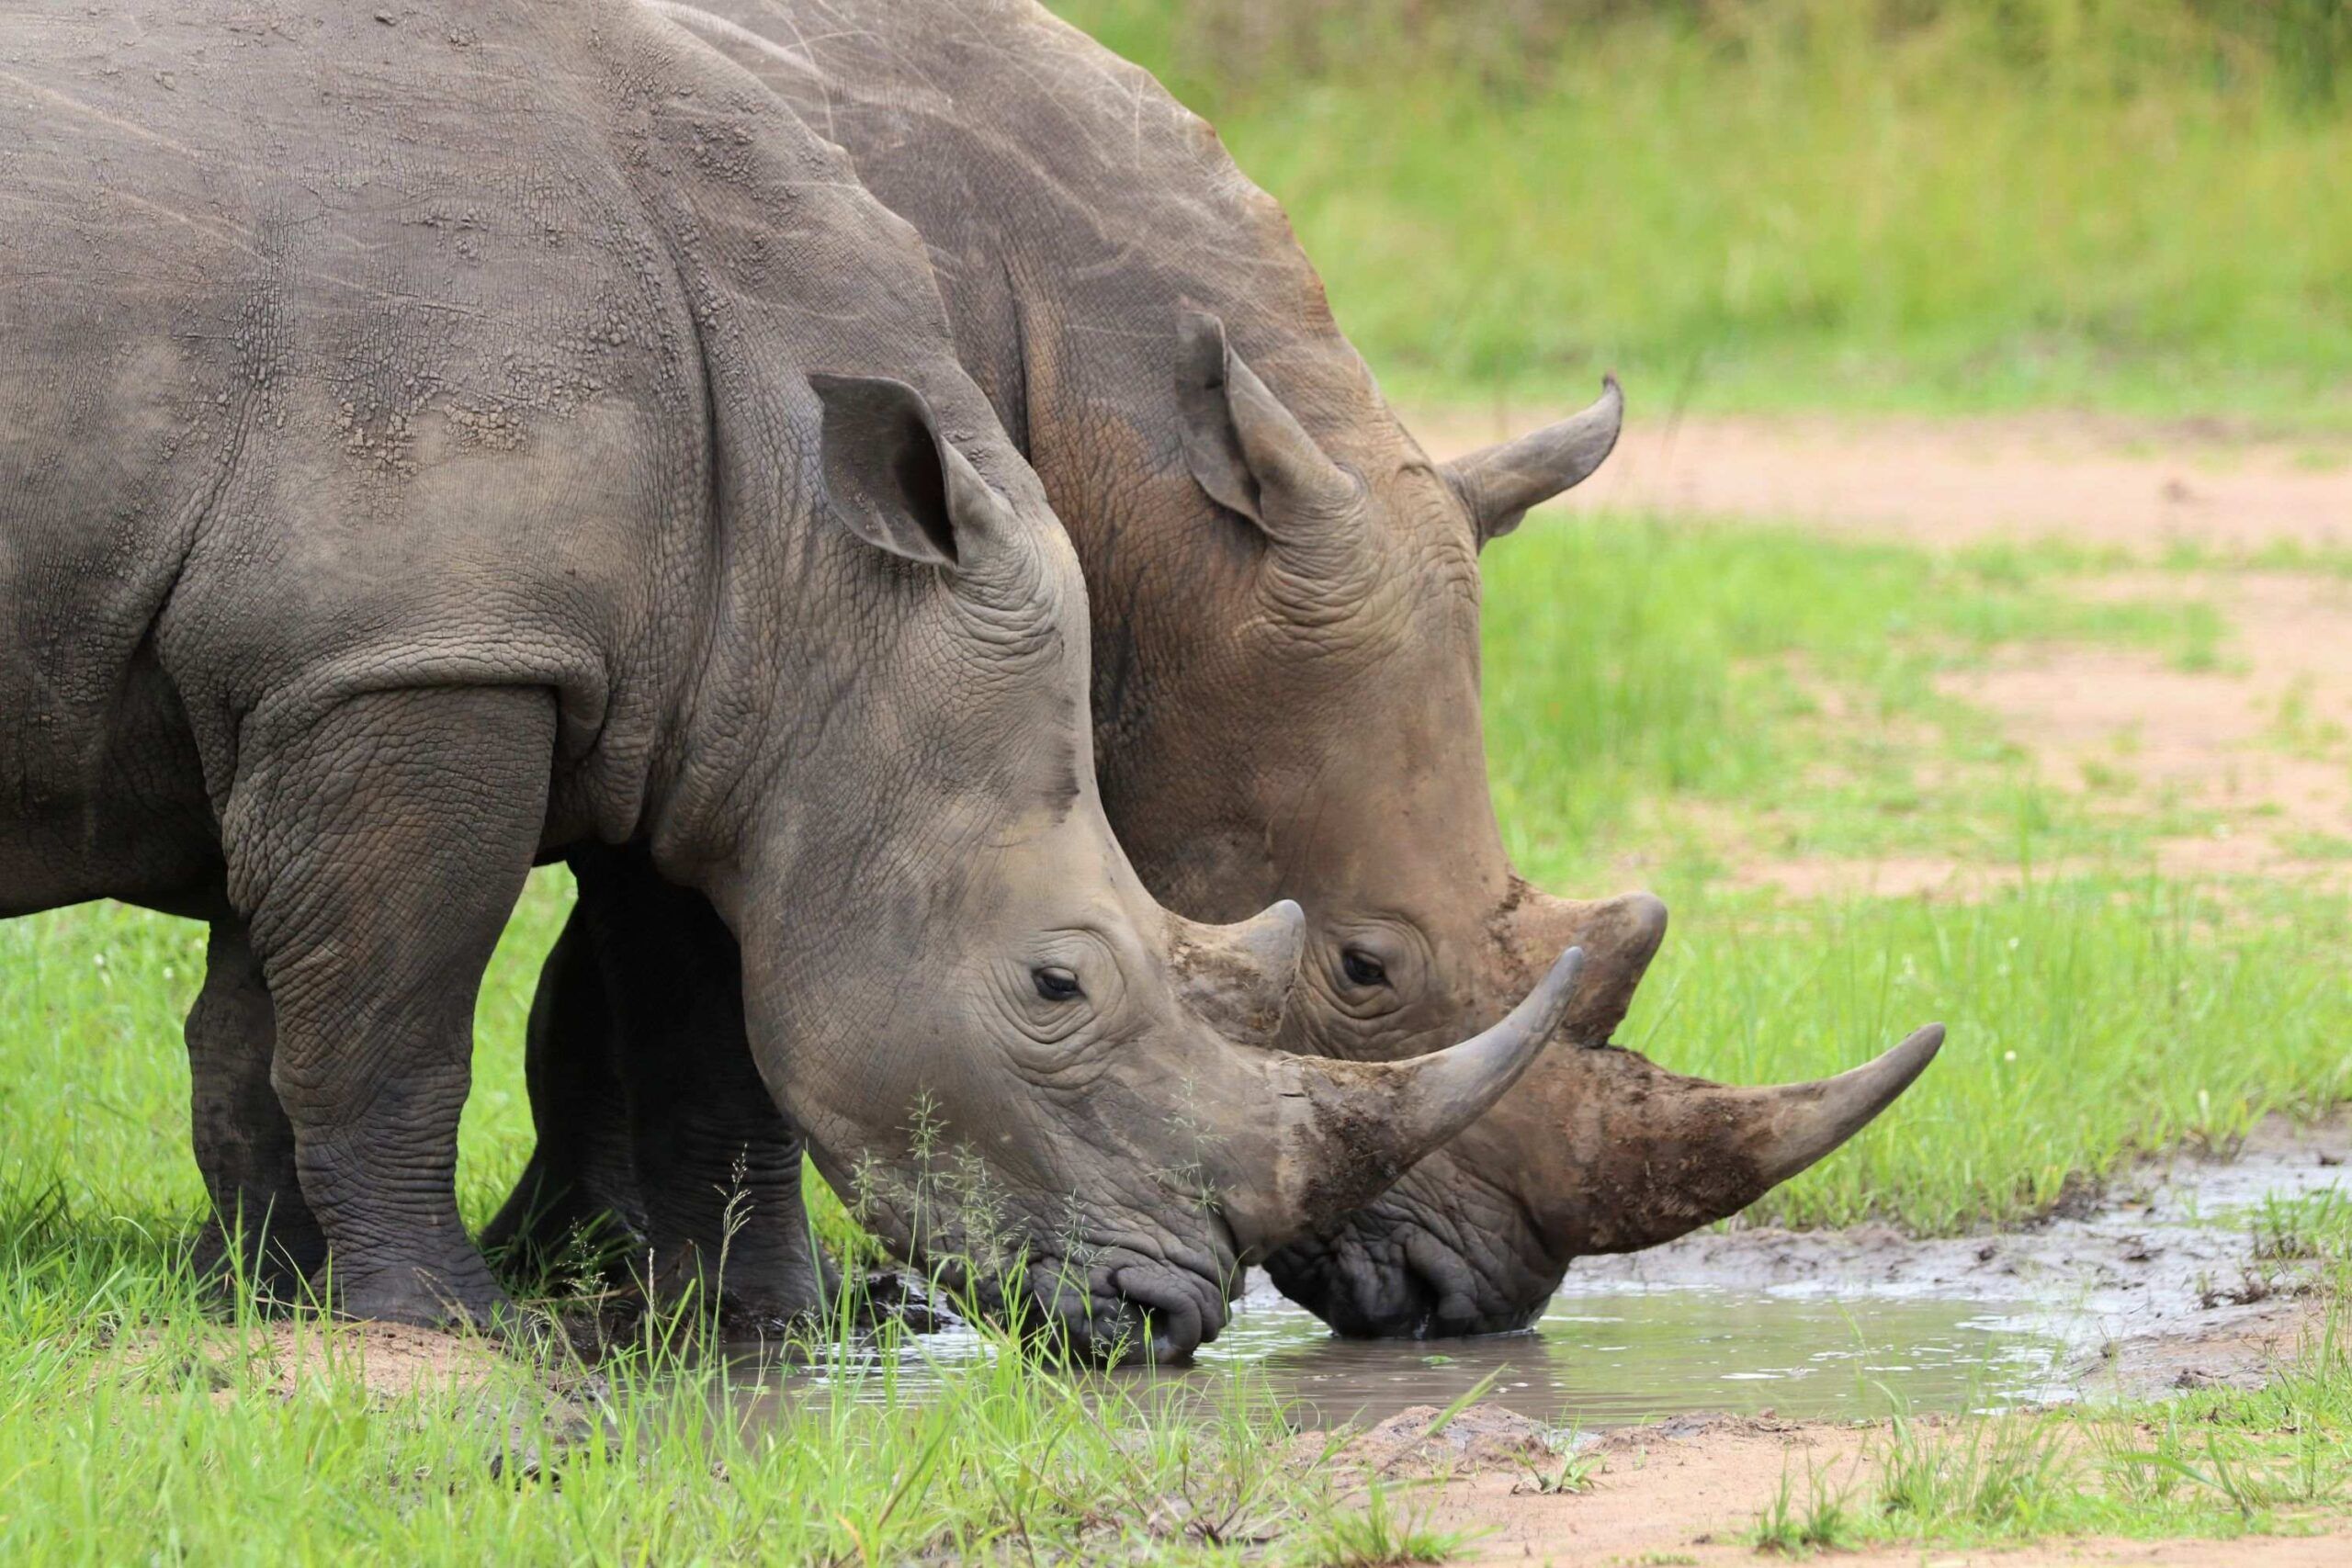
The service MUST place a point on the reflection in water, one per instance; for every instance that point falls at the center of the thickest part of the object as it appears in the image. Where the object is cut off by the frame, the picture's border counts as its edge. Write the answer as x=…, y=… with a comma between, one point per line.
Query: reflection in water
x=1599, y=1359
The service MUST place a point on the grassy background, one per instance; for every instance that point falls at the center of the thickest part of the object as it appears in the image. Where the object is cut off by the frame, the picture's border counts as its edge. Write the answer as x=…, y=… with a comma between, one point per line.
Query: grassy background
x=2143, y=205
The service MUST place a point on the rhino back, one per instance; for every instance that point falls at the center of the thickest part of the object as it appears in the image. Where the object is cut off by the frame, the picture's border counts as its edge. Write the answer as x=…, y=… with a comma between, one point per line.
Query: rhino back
x=337, y=354
x=1048, y=175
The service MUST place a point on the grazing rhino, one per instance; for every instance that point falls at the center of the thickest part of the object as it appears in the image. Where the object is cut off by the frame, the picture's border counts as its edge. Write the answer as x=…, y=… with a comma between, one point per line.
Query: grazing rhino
x=439, y=438
x=1285, y=602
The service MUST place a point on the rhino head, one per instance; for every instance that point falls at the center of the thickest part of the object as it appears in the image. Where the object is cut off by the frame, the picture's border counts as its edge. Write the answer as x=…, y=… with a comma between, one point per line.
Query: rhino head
x=1342, y=712
x=1022, y=1065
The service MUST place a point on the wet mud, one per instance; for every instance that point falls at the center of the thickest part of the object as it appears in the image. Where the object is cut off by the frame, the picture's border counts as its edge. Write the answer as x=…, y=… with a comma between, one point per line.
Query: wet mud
x=2167, y=1281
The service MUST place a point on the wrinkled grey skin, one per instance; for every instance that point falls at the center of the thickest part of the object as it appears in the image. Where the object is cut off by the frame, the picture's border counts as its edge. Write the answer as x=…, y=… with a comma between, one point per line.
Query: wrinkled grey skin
x=1285, y=601
x=435, y=444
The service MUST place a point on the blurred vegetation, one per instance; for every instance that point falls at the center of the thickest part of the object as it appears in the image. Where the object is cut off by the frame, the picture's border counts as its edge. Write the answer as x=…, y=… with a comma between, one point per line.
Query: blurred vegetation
x=2143, y=205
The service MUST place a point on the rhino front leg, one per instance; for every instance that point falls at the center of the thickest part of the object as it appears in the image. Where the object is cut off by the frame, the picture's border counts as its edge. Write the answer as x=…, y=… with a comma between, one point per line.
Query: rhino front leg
x=244, y=1146
x=378, y=856
x=638, y=1062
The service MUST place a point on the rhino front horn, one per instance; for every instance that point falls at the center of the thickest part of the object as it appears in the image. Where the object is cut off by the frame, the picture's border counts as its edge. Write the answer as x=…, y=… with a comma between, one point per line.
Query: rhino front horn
x=1656, y=1155
x=1345, y=1130
x=1789, y=1127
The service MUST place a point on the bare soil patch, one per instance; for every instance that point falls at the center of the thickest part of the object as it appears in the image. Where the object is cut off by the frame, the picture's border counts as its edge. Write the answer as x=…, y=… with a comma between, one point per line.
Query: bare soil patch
x=2262, y=742
x=1689, y=1491
x=2258, y=745
x=283, y=1358
x=2260, y=748
x=2111, y=483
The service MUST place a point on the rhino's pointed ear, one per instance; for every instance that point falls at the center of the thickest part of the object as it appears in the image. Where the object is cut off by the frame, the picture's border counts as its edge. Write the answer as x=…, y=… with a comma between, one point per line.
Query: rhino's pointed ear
x=1499, y=483
x=1243, y=446
x=894, y=480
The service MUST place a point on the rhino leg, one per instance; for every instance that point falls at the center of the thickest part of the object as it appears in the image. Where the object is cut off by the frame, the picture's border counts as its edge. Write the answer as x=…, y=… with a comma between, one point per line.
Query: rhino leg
x=576, y=1201
x=379, y=852
x=648, y=1105
x=244, y=1146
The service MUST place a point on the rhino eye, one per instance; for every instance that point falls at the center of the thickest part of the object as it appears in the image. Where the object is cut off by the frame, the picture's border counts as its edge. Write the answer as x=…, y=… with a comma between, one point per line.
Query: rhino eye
x=1362, y=968
x=1055, y=983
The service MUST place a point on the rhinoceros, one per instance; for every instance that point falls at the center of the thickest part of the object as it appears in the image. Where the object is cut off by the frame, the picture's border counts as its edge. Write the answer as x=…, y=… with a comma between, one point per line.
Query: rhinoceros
x=1285, y=597
x=434, y=439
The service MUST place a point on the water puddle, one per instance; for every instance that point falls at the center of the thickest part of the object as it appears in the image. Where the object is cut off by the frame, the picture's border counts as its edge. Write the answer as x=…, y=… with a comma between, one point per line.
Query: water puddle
x=2140, y=1296
x=1604, y=1357
x=1599, y=1359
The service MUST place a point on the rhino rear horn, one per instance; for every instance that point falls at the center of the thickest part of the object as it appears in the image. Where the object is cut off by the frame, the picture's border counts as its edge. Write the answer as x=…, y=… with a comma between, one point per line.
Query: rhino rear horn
x=1499, y=483
x=1238, y=979
x=1347, y=1130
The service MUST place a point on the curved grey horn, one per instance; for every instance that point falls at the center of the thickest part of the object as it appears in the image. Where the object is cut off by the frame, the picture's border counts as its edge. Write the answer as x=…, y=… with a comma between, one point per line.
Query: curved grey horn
x=1789, y=1126
x=1345, y=1130
x=1499, y=483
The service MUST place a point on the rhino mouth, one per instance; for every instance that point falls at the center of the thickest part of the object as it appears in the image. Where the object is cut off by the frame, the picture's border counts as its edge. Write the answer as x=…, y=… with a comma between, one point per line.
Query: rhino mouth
x=1430, y=1296
x=1409, y=1270
x=1121, y=1305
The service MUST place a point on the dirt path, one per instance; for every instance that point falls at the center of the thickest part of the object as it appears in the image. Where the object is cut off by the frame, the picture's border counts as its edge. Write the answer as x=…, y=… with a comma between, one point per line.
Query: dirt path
x=1686, y=1495
x=2258, y=747
x=2104, y=483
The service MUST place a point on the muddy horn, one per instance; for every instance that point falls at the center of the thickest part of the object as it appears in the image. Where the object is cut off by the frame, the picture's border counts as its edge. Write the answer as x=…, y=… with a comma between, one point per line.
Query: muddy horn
x=1344, y=1130
x=1787, y=1128
x=1668, y=1153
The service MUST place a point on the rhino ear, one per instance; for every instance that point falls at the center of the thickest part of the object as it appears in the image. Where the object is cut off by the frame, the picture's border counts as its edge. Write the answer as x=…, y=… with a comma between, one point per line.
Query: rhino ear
x=892, y=478
x=1243, y=446
x=1499, y=483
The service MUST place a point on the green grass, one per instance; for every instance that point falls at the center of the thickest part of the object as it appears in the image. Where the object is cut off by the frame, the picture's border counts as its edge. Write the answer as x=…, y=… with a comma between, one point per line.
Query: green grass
x=1794, y=203
x=2090, y=1020
x=1636, y=668
x=1711, y=696
x=134, y=1430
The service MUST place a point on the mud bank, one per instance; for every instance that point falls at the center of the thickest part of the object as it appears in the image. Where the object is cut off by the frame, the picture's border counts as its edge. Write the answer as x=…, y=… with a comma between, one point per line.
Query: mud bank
x=2162, y=1284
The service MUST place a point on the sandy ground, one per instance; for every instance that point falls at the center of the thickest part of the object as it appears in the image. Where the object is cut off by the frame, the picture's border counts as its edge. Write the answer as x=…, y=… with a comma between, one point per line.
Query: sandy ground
x=1689, y=1491
x=287, y=1356
x=2151, y=1294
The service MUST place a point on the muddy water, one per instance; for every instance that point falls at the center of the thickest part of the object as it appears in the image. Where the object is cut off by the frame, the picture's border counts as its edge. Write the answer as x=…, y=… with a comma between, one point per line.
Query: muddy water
x=1599, y=1359
x=1608, y=1357
x=2140, y=1296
